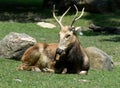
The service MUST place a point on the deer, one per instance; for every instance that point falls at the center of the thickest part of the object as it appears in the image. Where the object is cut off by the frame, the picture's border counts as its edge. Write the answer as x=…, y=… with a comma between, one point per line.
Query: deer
x=70, y=54
x=66, y=56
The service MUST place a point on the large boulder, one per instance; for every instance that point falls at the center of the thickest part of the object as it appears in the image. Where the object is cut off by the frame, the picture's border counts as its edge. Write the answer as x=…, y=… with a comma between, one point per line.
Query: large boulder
x=99, y=59
x=14, y=44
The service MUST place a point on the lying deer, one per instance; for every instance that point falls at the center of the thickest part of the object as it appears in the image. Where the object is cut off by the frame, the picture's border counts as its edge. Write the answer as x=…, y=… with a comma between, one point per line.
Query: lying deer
x=69, y=53
x=67, y=56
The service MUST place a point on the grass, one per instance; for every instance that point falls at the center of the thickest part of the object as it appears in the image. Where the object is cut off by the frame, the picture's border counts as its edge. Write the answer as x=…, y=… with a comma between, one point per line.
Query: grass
x=110, y=43
x=10, y=78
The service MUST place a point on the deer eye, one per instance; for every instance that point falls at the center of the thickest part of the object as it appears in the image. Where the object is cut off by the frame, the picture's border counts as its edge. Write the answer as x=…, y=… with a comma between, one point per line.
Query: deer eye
x=67, y=36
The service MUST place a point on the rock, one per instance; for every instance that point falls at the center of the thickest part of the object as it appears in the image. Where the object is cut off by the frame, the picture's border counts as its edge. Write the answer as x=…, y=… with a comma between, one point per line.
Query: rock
x=99, y=59
x=46, y=25
x=14, y=44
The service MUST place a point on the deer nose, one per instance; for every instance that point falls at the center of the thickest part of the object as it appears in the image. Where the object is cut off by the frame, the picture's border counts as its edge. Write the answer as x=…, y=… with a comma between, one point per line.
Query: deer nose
x=59, y=51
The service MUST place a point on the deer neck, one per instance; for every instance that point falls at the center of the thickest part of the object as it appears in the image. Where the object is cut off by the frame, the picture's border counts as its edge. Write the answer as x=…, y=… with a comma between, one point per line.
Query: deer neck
x=75, y=48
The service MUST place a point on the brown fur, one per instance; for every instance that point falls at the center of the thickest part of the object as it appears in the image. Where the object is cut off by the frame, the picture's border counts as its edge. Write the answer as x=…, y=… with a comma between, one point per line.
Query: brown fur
x=39, y=57
x=70, y=54
x=73, y=56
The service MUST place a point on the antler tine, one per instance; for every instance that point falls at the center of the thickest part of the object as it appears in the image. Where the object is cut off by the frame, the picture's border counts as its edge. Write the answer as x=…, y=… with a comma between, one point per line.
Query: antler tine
x=80, y=14
x=76, y=18
x=56, y=17
x=59, y=21
x=75, y=15
x=64, y=14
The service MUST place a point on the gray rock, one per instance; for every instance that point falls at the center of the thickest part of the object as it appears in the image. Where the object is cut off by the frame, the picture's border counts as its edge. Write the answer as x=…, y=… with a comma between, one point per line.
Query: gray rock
x=14, y=44
x=99, y=59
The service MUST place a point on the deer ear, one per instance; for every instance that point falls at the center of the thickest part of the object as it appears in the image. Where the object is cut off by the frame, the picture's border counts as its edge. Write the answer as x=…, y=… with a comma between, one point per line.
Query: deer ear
x=78, y=29
x=71, y=28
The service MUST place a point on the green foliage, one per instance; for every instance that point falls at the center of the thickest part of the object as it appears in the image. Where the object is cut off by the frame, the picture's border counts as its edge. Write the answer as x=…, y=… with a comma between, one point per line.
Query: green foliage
x=110, y=43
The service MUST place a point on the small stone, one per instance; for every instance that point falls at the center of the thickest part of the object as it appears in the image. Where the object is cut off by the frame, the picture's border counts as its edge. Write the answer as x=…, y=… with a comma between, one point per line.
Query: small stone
x=46, y=25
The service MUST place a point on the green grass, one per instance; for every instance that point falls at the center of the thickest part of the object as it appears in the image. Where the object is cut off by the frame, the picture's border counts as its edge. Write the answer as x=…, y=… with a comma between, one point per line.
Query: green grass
x=29, y=28
x=10, y=78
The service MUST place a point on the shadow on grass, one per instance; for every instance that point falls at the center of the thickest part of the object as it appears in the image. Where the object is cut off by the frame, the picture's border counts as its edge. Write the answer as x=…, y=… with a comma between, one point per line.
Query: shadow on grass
x=114, y=39
x=33, y=14
x=104, y=20
x=92, y=33
x=24, y=14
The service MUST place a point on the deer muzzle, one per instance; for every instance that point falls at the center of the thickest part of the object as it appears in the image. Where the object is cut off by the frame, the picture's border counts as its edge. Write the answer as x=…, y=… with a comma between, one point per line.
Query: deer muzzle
x=60, y=51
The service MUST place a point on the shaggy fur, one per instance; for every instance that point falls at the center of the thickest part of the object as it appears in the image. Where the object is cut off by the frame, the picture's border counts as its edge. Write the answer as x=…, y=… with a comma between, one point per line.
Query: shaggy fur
x=74, y=59
x=39, y=57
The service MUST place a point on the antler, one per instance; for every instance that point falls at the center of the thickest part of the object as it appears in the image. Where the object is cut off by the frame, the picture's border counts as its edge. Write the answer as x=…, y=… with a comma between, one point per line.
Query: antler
x=59, y=21
x=75, y=17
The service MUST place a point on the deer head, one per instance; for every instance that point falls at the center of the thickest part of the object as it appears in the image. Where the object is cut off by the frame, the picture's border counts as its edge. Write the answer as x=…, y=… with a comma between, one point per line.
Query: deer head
x=67, y=34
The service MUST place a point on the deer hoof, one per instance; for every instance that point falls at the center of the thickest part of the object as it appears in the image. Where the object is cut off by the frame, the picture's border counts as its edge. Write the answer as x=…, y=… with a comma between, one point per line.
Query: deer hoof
x=83, y=72
x=36, y=69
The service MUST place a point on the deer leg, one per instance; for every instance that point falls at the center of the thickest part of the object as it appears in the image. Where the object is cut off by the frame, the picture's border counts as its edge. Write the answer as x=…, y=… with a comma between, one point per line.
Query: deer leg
x=85, y=66
x=64, y=71
x=83, y=72
x=53, y=71
x=28, y=68
x=49, y=70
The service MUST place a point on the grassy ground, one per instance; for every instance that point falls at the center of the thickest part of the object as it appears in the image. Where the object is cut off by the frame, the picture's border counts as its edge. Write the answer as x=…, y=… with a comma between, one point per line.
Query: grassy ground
x=110, y=43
